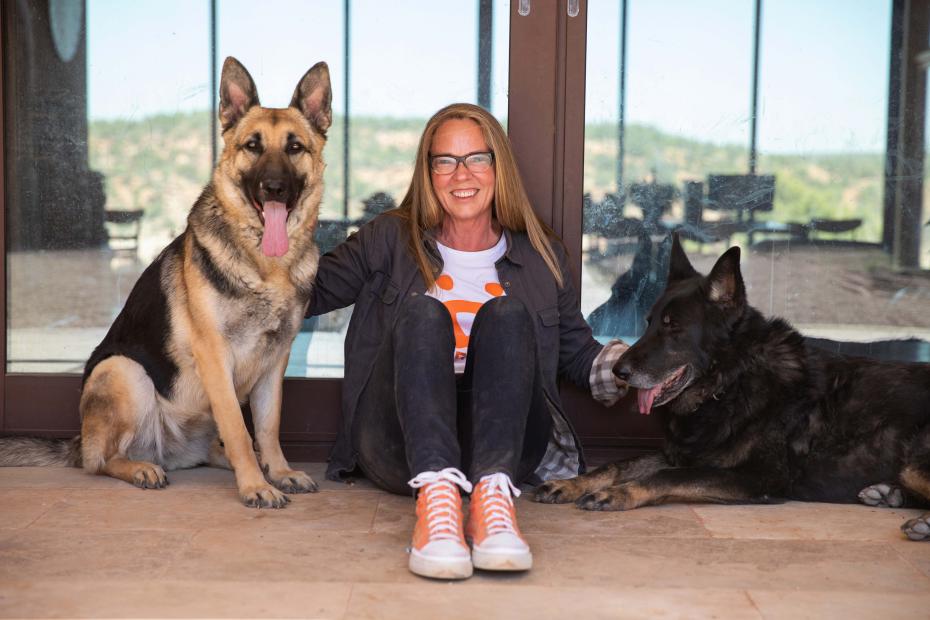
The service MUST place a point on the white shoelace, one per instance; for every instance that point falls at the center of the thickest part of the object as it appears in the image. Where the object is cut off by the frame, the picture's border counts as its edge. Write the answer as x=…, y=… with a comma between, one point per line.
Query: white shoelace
x=441, y=501
x=498, y=502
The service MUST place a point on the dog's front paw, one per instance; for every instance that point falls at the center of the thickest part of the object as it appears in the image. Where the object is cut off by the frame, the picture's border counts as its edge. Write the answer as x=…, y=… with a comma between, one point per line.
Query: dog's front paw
x=293, y=481
x=615, y=498
x=559, y=491
x=882, y=495
x=917, y=528
x=149, y=476
x=263, y=496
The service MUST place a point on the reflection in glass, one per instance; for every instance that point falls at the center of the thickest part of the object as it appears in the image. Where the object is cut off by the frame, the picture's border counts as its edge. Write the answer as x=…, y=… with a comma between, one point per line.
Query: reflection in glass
x=669, y=148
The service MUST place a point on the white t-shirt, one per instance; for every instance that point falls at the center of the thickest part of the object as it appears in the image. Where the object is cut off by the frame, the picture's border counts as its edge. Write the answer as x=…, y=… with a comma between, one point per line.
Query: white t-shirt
x=467, y=281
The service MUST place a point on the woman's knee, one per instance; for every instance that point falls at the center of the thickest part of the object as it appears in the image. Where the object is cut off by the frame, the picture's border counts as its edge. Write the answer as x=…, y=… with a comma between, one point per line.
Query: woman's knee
x=505, y=314
x=424, y=309
x=505, y=308
x=422, y=317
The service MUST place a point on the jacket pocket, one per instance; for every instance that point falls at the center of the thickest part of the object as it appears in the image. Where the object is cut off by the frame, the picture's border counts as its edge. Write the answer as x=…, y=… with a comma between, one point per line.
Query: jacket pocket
x=549, y=317
x=383, y=287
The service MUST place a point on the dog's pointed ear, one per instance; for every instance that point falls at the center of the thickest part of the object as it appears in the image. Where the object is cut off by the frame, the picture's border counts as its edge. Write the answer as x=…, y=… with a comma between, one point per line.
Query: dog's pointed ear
x=725, y=281
x=679, y=267
x=237, y=93
x=314, y=97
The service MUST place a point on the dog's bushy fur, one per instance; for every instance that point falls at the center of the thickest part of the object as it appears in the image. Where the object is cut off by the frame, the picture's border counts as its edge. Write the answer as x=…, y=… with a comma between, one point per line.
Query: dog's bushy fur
x=753, y=415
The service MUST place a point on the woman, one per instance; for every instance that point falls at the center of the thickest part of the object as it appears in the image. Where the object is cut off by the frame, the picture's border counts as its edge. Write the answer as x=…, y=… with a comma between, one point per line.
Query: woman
x=464, y=315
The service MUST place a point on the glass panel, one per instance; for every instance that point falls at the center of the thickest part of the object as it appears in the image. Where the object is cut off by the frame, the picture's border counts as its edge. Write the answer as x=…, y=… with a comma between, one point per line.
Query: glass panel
x=685, y=106
x=822, y=135
x=107, y=146
x=107, y=150
x=808, y=213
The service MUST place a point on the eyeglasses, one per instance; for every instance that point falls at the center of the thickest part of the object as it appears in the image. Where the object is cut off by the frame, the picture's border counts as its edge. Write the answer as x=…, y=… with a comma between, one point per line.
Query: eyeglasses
x=475, y=162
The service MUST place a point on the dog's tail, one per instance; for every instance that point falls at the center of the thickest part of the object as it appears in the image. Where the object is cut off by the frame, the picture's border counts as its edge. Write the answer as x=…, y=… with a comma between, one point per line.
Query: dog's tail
x=39, y=452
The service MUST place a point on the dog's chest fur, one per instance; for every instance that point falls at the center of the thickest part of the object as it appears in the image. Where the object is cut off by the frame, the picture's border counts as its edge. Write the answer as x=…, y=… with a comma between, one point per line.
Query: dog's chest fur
x=259, y=327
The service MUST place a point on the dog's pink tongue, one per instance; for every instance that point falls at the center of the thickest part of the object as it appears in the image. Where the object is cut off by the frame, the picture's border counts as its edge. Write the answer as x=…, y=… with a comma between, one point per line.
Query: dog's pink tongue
x=646, y=397
x=274, y=239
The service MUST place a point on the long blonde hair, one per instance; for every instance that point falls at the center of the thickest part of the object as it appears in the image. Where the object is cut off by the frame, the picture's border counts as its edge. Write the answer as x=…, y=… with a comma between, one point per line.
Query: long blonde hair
x=423, y=212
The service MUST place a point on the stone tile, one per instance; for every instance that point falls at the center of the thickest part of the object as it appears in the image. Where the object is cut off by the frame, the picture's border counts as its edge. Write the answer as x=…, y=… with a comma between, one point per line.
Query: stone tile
x=197, y=507
x=672, y=521
x=396, y=515
x=194, y=550
x=144, y=598
x=729, y=564
x=915, y=553
x=237, y=554
x=36, y=554
x=22, y=507
x=473, y=599
x=804, y=521
x=55, y=478
x=846, y=605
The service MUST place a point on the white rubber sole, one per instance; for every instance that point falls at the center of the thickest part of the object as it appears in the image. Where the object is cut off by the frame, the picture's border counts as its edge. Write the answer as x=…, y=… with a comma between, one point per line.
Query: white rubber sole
x=439, y=568
x=503, y=559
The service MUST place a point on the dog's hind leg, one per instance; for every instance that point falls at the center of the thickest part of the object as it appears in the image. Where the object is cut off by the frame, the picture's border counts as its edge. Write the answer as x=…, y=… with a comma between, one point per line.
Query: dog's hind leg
x=265, y=403
x=916, y=479
x=117, y=397
x=605, y=476
x=686, y=484
x=217, y=455
x=915, y=476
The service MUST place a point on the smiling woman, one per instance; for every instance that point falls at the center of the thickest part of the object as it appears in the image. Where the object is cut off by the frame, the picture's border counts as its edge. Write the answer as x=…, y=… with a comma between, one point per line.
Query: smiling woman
x=464, y=316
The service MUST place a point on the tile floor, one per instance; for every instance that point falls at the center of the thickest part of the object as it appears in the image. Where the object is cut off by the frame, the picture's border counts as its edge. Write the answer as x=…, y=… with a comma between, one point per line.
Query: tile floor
x=74, y=545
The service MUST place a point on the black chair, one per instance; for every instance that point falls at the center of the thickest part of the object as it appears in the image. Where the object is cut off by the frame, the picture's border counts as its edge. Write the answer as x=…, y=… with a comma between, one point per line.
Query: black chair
x=124, y=227
x=742, y=194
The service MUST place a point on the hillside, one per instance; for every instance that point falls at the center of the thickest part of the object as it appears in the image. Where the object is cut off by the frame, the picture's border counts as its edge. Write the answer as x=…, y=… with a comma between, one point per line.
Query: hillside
x=160, y=164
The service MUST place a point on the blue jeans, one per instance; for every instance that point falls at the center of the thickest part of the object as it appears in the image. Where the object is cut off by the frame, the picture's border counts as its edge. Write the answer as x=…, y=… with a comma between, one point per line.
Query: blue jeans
x=416, y=415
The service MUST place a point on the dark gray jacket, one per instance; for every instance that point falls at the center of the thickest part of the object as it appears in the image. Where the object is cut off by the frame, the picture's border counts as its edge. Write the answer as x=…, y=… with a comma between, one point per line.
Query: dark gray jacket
x=374, y=270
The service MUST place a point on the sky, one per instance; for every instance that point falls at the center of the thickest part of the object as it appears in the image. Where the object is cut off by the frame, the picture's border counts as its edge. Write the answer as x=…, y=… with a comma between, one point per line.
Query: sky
x=408, y=58
x=823, y=63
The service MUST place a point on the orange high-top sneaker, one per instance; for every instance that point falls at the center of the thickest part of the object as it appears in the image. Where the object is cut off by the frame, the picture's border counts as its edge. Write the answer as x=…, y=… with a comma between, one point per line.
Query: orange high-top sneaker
x=438, y=548
x=492, y=526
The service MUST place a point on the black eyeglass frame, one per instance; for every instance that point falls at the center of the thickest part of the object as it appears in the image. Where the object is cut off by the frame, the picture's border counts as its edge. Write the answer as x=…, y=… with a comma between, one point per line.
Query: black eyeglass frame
x=459, y=159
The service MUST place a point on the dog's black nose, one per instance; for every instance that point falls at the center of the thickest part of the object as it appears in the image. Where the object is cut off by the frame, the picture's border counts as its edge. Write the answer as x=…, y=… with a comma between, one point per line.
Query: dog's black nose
x=273, y=189
x=622, y=372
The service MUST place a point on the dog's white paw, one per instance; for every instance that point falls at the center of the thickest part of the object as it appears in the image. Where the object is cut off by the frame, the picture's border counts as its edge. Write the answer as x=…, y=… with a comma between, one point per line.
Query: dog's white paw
x=917, y=528
x=882, y=495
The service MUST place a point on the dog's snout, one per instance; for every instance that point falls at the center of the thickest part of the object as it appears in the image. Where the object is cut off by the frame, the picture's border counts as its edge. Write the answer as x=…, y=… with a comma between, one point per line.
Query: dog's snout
x=622, y=371
x=273, y=189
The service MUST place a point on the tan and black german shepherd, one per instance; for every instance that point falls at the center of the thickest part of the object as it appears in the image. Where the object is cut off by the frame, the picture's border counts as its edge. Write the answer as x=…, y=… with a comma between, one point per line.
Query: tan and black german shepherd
x=209, y=324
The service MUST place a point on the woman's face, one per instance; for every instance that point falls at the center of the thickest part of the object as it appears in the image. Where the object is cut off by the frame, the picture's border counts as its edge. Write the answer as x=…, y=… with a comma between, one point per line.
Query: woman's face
x=464, y=194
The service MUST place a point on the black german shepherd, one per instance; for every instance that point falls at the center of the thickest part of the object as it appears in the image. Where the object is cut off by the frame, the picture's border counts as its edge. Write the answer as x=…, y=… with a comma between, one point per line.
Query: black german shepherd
x=753, y=415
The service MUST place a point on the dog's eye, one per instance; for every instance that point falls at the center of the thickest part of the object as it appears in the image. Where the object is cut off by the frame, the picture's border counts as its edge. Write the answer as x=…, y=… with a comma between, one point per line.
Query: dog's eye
x=666, y=320
x=253, y=146
x=295, y=147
